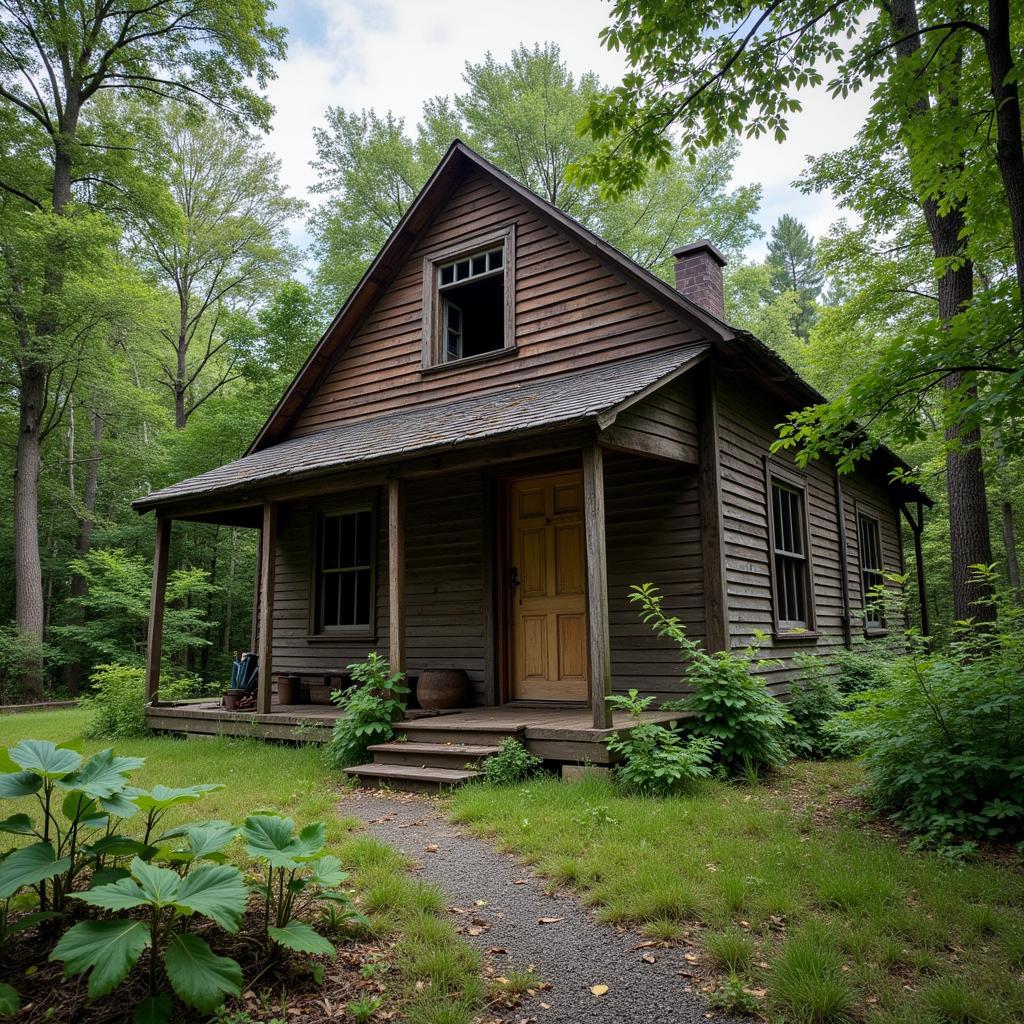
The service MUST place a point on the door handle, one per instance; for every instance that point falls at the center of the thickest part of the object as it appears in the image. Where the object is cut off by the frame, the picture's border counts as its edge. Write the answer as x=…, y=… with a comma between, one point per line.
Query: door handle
x=513, y=579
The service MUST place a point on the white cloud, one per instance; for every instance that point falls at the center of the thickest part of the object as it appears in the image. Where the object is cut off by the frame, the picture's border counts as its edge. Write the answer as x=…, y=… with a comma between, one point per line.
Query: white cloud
x=394, y=55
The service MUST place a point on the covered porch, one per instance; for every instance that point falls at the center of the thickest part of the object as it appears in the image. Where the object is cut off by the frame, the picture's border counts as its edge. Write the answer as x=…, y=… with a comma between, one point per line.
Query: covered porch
x=446, y=584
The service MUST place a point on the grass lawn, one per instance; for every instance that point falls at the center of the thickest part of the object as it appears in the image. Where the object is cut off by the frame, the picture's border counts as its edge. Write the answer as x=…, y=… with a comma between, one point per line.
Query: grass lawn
x=429, y=973
x=816, y=912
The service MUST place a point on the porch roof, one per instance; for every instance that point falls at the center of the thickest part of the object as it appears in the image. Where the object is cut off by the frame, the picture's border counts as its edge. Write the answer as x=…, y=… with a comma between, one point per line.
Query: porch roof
x=566, y=400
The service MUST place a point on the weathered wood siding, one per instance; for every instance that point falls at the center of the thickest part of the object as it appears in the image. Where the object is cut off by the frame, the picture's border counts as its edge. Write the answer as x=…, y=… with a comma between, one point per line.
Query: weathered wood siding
x=653, y=536
x=444, y=583
x=747, y=429
x=664, y=423
x=294, y=650
x=572, y=311
x=445, y=576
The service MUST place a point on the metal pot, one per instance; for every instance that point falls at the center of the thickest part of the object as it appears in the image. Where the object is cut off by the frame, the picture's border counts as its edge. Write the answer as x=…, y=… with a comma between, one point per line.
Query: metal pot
x=441, y=689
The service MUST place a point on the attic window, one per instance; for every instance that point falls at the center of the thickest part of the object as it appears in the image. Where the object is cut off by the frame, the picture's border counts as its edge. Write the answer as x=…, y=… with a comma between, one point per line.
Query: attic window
x=467, y=309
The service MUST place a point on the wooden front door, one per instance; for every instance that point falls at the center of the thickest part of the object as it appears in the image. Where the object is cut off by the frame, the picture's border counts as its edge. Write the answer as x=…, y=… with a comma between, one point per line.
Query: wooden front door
x=548, y=621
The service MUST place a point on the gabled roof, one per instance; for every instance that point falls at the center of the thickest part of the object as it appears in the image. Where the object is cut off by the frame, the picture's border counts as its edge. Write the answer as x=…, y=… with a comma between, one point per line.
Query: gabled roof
x=458, y=162
x=592, y=396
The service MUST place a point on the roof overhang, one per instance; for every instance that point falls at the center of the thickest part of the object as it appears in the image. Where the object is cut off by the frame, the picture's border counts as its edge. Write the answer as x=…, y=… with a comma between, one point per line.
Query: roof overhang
x=589, y=398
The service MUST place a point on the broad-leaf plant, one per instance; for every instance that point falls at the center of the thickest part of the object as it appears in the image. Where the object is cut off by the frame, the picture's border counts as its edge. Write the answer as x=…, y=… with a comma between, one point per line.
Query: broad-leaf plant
x=153, y=886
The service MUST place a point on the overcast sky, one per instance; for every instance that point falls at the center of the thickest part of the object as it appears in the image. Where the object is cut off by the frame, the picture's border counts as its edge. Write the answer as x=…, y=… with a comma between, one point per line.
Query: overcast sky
x=394, y=54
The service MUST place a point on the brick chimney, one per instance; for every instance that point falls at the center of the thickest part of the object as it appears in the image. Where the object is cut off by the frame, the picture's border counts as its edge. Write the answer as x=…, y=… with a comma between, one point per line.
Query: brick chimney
x=699, y=276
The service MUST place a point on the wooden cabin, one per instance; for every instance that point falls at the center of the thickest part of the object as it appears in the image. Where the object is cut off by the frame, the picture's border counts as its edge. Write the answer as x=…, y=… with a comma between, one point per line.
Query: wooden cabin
x=507, y=425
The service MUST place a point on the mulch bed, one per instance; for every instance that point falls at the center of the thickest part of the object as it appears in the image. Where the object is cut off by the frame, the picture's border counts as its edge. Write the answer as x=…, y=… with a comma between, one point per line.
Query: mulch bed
x=287, y=989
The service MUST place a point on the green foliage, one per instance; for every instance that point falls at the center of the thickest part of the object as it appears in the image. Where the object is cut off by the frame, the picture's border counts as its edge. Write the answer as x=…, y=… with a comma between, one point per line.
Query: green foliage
x=794, y=269
x=655, y=760
x=729, y=704
x=117, y=608
x=521, y=113
x=512, y=764
x=861, y=668
x=108, y=949
x=942, y=740
x=813, y=702
x=299, y=875
x=118, y=700
x=81, y=804
x=732, y=997
x=19, y=652
x=371, y=704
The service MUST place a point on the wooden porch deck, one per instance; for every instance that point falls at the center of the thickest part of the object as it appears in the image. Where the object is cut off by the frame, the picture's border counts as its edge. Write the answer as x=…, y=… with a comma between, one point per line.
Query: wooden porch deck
x=552, y=732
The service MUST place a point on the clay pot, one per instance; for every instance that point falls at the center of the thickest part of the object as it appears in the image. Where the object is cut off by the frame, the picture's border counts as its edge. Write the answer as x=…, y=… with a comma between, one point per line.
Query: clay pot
x=231, y=699
x=288, y=690
x=441, y=689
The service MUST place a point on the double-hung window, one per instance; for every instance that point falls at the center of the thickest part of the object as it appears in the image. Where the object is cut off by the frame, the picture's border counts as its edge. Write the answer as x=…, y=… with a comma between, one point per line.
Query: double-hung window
x=344, y=583
x=793, y=588
x=871, y=569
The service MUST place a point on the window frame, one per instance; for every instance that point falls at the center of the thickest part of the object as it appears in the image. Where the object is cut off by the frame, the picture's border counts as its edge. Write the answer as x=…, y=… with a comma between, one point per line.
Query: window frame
x=791, y=480
x=434, y=336
x=357, y=631
x=879, y=626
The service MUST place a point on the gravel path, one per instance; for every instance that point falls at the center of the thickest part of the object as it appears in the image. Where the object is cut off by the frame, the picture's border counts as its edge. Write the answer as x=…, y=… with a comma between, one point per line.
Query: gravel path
x=572, y=953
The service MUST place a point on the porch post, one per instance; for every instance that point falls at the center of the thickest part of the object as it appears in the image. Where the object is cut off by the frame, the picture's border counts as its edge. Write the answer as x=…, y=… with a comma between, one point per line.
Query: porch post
x=396, y=575
x=268, y=552
x=598, y=640
x=155, y=638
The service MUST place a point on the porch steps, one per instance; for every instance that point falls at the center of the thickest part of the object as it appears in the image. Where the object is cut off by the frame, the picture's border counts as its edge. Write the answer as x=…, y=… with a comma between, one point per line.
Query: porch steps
x=431, y=755
x=434, y=731
x=411, y=778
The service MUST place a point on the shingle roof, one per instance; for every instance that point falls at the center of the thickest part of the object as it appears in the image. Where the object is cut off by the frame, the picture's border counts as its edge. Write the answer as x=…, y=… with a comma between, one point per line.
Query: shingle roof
x=563, y=401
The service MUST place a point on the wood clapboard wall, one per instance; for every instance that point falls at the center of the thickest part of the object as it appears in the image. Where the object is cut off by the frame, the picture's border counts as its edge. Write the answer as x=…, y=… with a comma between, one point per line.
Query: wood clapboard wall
x=666, y=420
x=653, y=536
x=746, y=432
x=444, y=582
x=572, y=311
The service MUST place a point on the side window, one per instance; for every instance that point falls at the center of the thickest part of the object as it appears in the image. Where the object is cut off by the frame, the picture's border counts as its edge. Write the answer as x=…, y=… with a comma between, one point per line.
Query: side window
x=467, y=311
x=871, y=568
x=344, y=584
x=791, y=569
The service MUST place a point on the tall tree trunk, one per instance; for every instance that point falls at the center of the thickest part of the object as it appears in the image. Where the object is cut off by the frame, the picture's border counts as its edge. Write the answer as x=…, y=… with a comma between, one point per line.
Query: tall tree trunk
x=28, y=586
x=1009, y=145
x=1010, y=543
x=970, y=543
x=83, y=544
x=28, y=571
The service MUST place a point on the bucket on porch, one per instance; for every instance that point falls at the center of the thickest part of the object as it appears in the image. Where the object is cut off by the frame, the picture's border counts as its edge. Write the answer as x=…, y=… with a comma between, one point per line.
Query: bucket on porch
x=289, y=689
x=440, y=689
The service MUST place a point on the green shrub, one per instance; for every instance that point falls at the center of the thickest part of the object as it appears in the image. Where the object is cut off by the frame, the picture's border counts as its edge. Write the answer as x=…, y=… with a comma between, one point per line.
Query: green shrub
x=943, y=742
x=375, y=700
x=729, y=704
x=118, y=700
x=512, y=764
x=655, y=760
x=862, y=668
x=813, y=702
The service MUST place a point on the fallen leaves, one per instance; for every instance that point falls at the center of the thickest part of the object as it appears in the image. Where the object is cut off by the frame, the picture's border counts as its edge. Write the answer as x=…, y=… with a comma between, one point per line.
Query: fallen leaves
x=599, y=990
x=430, y=848
x=549, y=920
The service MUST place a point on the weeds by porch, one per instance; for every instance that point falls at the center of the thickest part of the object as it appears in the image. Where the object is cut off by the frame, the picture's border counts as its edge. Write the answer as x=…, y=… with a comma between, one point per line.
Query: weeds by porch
x=821, y=915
